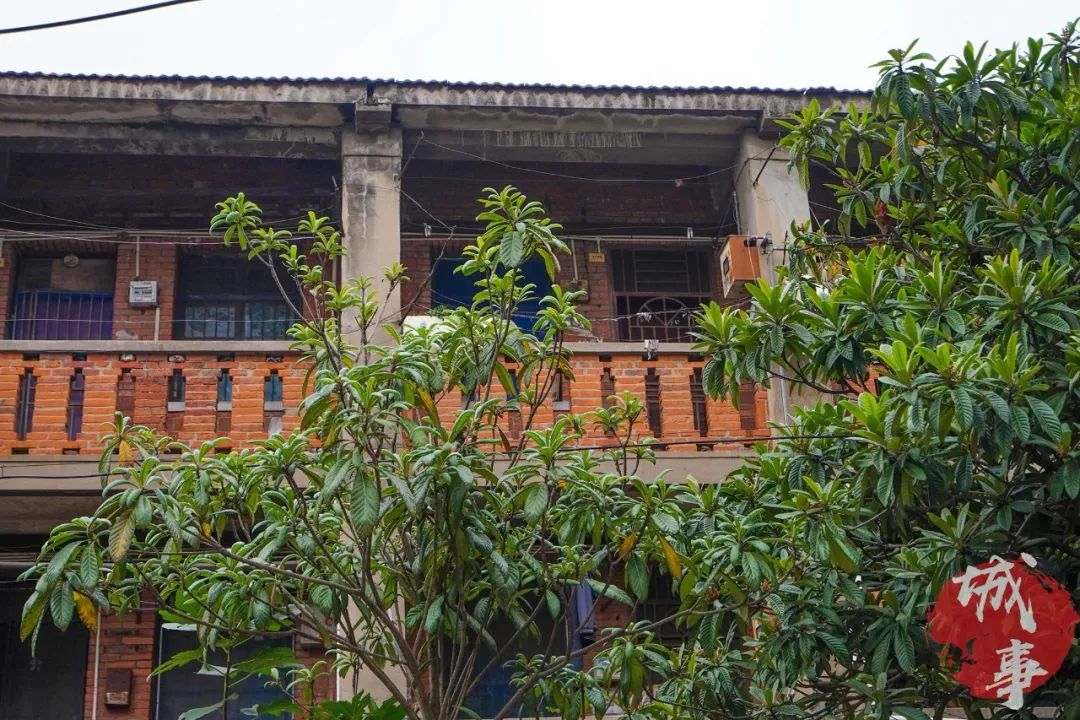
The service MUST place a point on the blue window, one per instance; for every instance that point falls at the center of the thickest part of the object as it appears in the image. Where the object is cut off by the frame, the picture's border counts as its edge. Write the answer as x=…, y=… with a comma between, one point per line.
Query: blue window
x=452, y=289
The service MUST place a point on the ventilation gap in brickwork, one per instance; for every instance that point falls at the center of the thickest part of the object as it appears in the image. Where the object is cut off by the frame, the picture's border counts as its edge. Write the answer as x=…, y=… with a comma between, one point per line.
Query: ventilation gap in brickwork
x=652, y=401
x=560, y=394
x=697, y=401
x=607, y=388
x=125, y=393
x=223, y=416
x=700, y=409
x=513, y=417
x=748, y=419
x=175, y=404
x=273, y=403
x=76, y=399
x=24, y=404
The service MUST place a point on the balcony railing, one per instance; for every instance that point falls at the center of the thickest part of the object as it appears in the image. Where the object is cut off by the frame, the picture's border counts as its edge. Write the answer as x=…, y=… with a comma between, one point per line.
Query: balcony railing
x=197, y=395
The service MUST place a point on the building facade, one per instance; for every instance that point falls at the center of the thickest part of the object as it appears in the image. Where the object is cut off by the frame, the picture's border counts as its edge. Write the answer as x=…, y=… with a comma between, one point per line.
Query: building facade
x=113, y=297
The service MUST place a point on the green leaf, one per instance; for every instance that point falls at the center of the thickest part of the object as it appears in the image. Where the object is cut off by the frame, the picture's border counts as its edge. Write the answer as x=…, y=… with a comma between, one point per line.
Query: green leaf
x=323, y=597
x=62, y=605
x=836, y=646
x=1048, y=419
x=611, y=592
x=553, y=603
x=434, y=616
x=1020, y=423
x=965, y=412
x=536, y=502
x=89, y=567
x=884, y=487
x=364, y=506
x=842, y=554
x=512, y=249
x=905, y=649
x=637, y=578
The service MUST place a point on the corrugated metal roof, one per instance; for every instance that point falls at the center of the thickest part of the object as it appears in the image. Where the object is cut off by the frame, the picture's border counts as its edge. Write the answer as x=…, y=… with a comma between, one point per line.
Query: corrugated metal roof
x=454, y=84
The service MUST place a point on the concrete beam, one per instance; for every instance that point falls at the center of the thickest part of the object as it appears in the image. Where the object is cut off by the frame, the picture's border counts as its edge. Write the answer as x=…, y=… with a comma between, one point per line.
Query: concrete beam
x=631, y=147
x=263, y=114
x=577, y=120
x=124, y=139
x=192, y=89
x=766, y=103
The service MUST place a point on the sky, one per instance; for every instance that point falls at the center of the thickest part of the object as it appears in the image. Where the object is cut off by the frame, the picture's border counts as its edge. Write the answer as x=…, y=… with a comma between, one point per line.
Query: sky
x=769, y=43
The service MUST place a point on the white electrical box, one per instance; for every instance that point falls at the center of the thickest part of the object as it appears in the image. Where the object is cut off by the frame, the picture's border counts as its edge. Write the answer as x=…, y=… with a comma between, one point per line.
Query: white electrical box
x=142, y=293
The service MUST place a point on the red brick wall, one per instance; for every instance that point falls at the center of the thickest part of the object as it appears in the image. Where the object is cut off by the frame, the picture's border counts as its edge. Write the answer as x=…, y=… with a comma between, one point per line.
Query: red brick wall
x=156, y=261
x=127, y=643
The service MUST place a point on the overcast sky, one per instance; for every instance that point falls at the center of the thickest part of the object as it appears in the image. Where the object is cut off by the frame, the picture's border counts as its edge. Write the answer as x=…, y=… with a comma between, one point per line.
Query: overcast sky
x=777, y=43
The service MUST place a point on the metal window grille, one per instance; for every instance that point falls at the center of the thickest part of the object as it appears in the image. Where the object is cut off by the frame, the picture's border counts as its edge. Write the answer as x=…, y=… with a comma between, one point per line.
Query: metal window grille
x=224, y=297
x=60, y=315
x=658, y=291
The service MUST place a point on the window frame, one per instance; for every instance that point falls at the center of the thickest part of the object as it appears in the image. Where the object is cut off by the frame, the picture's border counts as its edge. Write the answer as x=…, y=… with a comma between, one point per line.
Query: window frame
x=207, y=296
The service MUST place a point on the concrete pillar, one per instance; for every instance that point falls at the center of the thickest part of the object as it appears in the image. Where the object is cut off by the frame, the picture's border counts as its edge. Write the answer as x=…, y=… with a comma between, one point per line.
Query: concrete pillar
x=370, y=203
x=767, y=196
x=769, y=199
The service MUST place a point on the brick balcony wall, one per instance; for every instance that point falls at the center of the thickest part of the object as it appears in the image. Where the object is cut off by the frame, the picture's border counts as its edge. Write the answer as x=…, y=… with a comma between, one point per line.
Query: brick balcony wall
x=150, y=372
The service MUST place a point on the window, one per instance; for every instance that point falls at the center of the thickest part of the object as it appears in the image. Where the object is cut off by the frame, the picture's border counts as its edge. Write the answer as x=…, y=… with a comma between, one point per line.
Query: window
x=661, y=604
x=68, y=298
x=452, y=289
x=192, y=686
x=495, y=689
x=222, y=297
x=658, y=291
x=52, y=683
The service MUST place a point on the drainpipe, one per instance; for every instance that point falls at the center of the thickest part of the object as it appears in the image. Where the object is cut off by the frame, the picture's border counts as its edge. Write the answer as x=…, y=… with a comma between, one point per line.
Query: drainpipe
x=97, y=665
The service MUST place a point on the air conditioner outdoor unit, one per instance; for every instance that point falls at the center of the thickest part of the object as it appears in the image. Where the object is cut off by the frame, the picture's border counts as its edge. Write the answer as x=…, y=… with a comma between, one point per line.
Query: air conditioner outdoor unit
x=740, y=263
x=142, y=293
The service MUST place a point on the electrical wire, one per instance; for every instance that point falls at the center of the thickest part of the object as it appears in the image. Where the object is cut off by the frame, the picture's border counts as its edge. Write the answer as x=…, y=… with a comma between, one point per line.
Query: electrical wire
x=93, y=18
